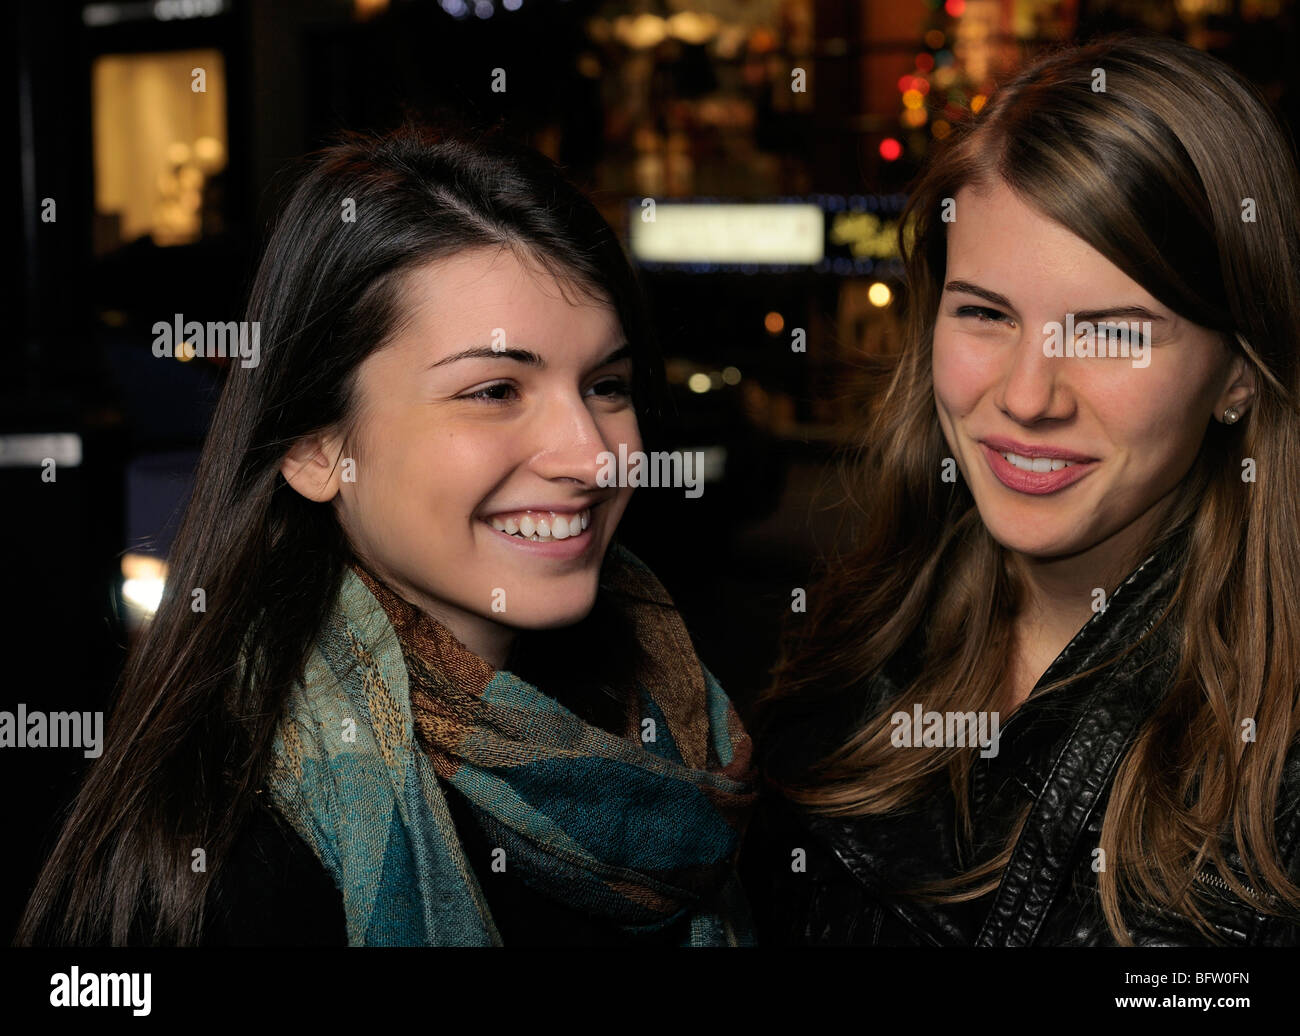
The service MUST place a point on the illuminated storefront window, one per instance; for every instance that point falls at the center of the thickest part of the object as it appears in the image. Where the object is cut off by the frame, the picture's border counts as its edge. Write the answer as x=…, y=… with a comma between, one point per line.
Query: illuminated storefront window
x=160, y=142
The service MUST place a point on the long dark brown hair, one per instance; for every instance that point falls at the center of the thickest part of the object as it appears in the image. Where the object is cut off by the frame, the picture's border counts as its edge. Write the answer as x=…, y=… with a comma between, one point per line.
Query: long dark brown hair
x=190, y=738
x=1153, y=173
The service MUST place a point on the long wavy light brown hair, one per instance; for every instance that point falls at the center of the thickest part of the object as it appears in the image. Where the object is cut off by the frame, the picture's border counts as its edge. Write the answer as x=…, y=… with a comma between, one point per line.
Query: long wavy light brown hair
x=1153, y=173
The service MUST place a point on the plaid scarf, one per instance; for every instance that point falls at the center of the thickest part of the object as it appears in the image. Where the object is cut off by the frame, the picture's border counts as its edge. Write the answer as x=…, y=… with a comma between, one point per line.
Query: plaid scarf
x=640, y=828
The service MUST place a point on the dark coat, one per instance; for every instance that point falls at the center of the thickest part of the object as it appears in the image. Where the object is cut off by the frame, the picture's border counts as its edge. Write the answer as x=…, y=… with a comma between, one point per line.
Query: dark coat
x=275, y=892
x=272, y=891
x=1058, y=755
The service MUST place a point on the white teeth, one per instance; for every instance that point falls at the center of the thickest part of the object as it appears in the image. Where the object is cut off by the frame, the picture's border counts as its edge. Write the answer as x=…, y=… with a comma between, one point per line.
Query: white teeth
x=1039, y=464
x=543, y=530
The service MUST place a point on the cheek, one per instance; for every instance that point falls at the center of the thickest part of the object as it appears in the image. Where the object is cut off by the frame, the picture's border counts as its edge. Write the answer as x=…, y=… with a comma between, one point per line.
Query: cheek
x=1155, y=422
x=620, y=427
x=452, y=473
x=961, y=373
x=460, y=456
x=414, y=474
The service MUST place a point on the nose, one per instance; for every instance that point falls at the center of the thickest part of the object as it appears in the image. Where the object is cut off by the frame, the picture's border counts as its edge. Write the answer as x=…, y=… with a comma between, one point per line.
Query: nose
x=1035, y=386
x=566, y=441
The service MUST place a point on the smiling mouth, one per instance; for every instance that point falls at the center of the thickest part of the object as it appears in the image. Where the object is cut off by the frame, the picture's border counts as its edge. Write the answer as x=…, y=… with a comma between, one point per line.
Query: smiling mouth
x=542, y=526
x=1038, y=464
x=1037, y=476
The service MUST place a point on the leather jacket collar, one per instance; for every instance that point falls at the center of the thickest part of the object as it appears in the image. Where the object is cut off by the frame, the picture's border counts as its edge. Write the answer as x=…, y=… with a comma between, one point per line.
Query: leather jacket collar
x=1057, y=756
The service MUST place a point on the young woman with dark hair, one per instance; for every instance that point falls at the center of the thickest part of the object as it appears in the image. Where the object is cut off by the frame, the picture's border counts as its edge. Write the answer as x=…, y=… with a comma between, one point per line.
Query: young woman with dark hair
x=1053, y=695
x=429, y=699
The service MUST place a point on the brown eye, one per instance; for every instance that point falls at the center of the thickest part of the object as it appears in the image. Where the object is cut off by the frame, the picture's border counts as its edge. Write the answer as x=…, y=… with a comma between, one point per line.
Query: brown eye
x=983, y=313
x=612, y=388
x=497, y=393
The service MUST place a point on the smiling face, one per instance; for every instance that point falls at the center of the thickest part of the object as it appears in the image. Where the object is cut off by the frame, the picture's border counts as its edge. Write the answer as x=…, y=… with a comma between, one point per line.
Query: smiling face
x=482, y=421
x=1133, y=430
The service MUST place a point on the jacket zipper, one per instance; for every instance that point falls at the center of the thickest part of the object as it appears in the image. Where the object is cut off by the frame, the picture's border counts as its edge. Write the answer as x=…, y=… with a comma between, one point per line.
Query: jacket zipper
x=1208, y=878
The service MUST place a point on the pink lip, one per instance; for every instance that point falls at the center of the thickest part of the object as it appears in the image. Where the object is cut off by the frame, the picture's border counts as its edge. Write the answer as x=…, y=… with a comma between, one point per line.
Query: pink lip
x=571, y=547
x=1021, y=449
x=570, y=508
x=1036, y=483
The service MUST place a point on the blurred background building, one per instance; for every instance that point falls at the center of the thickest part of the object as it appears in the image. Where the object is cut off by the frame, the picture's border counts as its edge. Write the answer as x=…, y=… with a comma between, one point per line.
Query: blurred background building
x=775, y=138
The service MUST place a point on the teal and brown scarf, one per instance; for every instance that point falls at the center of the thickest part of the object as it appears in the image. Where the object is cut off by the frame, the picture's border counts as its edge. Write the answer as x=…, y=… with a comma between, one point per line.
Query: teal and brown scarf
x=639, y=826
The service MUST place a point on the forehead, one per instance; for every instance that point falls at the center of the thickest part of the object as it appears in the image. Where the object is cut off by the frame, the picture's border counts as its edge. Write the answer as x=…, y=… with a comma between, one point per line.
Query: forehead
x=482, y=292
x=1001, y=242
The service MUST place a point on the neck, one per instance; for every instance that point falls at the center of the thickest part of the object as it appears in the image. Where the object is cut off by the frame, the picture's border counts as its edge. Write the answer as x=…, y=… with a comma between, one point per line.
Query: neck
x=1063, y=593
x=491, y=641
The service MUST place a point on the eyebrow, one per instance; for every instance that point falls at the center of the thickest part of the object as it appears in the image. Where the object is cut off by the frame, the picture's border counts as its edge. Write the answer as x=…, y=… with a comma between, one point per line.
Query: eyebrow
x=1088, y=314
x=532, y=359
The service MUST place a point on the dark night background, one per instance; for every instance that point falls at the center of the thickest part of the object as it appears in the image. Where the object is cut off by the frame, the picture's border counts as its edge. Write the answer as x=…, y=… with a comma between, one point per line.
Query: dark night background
x=162, y=205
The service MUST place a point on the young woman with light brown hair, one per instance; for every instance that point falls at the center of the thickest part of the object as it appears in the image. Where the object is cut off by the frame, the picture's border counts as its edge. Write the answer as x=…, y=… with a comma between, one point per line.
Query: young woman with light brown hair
x=1080, y=542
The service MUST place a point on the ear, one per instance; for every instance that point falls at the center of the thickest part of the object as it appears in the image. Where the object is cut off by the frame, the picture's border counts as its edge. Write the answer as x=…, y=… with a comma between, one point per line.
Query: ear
x=312, y=466
x=1241, y=387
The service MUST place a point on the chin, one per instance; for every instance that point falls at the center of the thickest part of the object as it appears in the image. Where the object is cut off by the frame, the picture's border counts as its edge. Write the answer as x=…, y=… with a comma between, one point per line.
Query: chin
x=544, y=614
x=1033, y=543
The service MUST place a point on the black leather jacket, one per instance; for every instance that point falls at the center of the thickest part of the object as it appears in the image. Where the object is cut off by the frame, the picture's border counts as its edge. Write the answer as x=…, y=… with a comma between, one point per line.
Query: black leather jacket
x=1057, y=756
